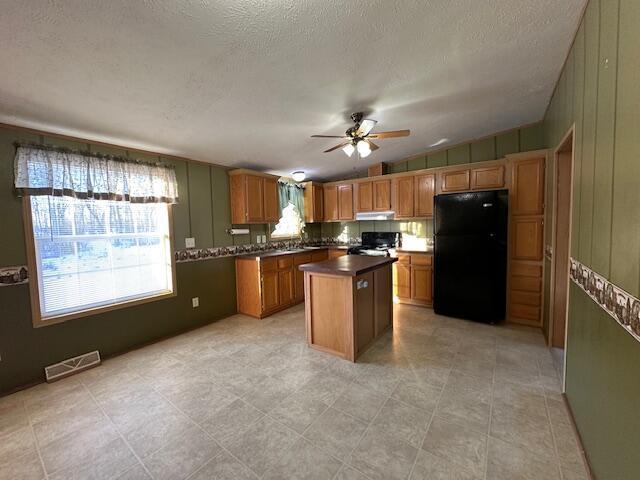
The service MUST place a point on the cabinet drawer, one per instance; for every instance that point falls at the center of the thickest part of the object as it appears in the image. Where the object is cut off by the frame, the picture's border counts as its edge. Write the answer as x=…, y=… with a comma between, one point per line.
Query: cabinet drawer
x=285, y=261
x=526, y=270
x=421, y=260
x=301, y=258
x=526, y=284
x=319, y=256
x=268, y=264
x=525, y=311
x=404, y=259
x=525, y=298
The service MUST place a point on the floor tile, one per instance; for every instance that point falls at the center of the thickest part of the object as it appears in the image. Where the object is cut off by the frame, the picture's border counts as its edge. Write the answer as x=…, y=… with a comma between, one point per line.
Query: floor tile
x=515, y=426
x=468, y=407
x=182, y=456
x=350, y=473
x=298, y=411
x=403, y=421
x=336, y=432
x=261, y=445
x=420, y=395
x=223, y=467
x=383, y=457
x=157, y=432
x=305, y=462
x=511, y=462
x=24, y=467
x=236, y=417
x=136, y=473
x=432, y=467
x=360, y=402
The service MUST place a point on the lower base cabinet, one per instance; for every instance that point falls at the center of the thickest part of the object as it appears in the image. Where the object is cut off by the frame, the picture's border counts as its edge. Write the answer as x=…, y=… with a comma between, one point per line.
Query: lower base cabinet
x=413, y=279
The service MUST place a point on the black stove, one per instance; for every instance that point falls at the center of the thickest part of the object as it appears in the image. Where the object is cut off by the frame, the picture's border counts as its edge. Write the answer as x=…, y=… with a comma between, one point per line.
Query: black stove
x=377, y=244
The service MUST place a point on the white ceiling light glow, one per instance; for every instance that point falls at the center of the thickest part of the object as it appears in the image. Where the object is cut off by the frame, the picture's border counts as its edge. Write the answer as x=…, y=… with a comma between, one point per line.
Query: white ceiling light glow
x=349, y=149
x=364, y=149
x=298, y=176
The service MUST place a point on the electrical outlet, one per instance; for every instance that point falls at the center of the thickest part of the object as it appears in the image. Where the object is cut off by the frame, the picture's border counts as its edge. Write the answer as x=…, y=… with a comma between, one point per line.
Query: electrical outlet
x=195, y=302
x=190, y=242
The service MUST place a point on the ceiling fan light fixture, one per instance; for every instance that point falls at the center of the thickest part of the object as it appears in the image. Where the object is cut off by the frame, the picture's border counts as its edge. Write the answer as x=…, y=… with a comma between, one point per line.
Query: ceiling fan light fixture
x=349, y=149
x=364, y=149
x=366, y=126
x=298, y=176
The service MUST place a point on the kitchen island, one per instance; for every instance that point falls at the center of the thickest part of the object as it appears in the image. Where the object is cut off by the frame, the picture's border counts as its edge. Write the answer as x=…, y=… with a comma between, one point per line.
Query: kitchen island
x=348, y=303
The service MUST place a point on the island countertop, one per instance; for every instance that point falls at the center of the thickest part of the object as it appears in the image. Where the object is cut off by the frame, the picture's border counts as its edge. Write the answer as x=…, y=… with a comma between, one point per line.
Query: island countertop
x=348, y=265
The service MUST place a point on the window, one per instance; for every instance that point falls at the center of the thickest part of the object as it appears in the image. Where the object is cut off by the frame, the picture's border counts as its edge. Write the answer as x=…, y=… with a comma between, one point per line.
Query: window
x=290, y=224
x=91, y=255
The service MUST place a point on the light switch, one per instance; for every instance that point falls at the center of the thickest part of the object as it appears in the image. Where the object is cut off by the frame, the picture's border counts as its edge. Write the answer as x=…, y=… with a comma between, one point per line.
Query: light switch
x=190, y=242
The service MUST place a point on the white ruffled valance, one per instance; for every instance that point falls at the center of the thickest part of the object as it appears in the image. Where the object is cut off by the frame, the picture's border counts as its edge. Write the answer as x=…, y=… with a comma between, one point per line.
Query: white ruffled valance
x=51, y=171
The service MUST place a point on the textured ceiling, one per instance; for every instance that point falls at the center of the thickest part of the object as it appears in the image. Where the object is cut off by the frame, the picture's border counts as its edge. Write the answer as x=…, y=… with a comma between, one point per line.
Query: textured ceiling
x=245, y=83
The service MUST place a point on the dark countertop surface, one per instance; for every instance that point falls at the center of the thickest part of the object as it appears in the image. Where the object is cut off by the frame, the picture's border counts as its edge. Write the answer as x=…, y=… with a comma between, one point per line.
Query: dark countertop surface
x=277, y=253
x=428, y=250
x=348, y=265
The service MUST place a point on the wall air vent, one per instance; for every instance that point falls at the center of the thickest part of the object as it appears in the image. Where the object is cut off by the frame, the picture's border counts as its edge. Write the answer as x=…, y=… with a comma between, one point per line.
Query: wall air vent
x=71, y=366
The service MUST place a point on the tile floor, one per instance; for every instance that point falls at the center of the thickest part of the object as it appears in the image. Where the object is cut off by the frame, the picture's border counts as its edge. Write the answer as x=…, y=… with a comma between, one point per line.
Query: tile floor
x=437, y=398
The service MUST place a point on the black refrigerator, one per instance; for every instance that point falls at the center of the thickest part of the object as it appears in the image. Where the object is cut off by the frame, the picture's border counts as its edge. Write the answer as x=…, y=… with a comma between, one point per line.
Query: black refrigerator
x=470, y=255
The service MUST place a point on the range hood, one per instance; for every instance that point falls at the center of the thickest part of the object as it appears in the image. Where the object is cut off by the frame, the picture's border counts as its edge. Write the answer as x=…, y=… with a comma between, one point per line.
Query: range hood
x=386, y=215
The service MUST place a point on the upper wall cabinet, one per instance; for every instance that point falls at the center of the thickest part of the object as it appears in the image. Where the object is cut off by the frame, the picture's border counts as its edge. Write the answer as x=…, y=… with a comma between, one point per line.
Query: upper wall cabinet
x=528, y=186
x=455, y=181
x=487, y=178
x=254, y=197
x=345, y=202
x=424, y=187
x=331, y=204
x=313, y=203
x=373, y=196
x=403, y=197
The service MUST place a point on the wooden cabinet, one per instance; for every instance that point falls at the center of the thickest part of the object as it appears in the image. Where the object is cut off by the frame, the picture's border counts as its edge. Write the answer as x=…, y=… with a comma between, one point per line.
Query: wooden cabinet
x=528, y=187
x=319, y=255
x=373, y=196
x=254, y=197
x=455, y=181
x=299, y=259
x=487, y=178
x=313, y=203
x=345, y=202
x=331, y=204
x=424, y=186
x=270, y=291
x=527, y=238
x=286, y=286
x=337, y=252
x=413, y=279
x=403, y=193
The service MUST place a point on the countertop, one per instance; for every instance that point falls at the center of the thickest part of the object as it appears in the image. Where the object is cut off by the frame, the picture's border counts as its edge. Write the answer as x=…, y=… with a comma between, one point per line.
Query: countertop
x=277, y=253
x=348, y=265
x=427, y=251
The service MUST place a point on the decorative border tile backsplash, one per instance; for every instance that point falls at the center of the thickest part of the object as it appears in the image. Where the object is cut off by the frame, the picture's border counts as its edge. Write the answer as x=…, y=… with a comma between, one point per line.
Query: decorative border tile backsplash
x=13, y=275
x=622, y=306
x=195, y=254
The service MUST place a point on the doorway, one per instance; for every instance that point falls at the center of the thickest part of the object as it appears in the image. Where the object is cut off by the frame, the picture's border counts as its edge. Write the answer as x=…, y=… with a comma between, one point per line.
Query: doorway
x=559, y=305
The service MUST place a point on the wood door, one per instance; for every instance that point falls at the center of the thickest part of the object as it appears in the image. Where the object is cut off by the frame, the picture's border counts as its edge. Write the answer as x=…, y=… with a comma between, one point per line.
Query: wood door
x=402, y=280
x=270, y=291
x=455, y=181
x=271, y=203
x=285, y=287
x=254, y=194
x=487, y=178
x=345, y=202
x=364, y=197
x=382, y=195
x=527, y=238
x=424, y=192
x=528, y=187
x=422, y=283
x=298, y=260
x=404, y=197
x=331, y=204
x=318, y=204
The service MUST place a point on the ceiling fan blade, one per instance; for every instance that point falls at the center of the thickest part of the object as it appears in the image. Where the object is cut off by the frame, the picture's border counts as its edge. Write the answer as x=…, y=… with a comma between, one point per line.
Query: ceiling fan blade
x=337, y=147
x=393, y=134
x=329, y=136
x=365, y=127
x=373, y=145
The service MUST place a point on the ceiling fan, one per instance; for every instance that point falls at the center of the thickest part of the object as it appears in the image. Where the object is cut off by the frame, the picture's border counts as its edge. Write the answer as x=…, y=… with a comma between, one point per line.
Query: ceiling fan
x=359, y=136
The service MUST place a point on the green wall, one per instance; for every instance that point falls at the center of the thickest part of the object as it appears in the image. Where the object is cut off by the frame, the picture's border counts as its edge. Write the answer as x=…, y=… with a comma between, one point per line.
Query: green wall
x=599, y=92
x=491, y=148
x=203, y=212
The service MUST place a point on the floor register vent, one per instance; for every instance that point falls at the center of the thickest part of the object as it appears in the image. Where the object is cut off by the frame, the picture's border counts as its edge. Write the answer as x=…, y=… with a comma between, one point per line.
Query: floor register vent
x=72, y=365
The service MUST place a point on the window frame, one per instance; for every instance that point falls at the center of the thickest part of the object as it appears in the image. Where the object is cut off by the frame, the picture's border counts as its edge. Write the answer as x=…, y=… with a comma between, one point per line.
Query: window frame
x=36, y=316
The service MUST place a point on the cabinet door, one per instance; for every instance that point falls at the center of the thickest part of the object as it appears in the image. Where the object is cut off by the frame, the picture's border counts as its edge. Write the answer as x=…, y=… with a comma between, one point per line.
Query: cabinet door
x=364, y=197
x=318, y=204
x=382, y=195
x=285, y=287
x=421, y=283
x=404, y=197
x=455, y=181
x=528, y=187
x=254, y=198
x=402, y=280
x=424, y=186
x=298, y=260
x=335, y=253
x=487, y=178
x=527, y=238
x=271, y=204
x=320, y=255
x=331, y=204
x=270, y=294
x=345, y=202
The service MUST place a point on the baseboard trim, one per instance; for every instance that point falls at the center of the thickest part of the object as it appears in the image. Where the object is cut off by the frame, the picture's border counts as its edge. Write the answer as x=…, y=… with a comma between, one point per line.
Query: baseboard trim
x=583, y=452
